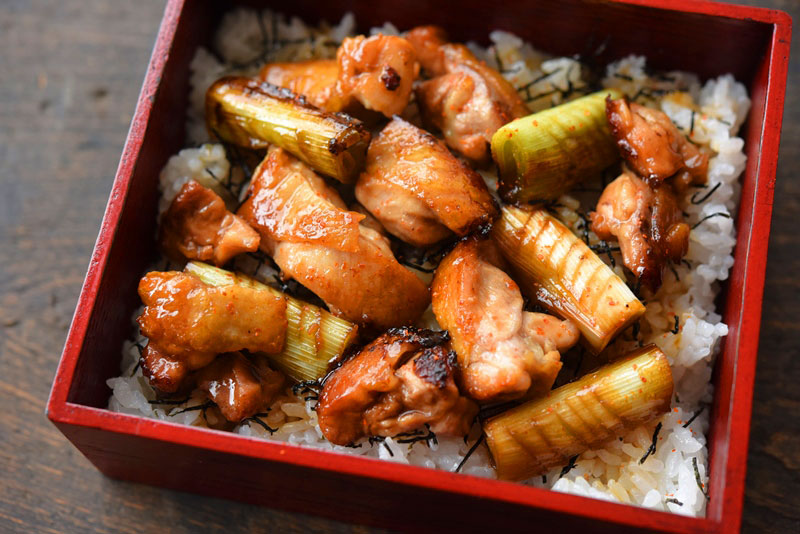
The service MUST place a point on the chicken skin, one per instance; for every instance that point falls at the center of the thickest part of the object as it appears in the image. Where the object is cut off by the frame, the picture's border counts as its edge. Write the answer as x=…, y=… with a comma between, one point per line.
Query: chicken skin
x=418, y=190
x=306, y=228
x=375, y=73
x=646, y=221
x=467, y=100
x=314, y=78
x=653, y=146
x=189, y=322
x=396, y=384
x=197, y=226
x=503, y=351
x=240, y=386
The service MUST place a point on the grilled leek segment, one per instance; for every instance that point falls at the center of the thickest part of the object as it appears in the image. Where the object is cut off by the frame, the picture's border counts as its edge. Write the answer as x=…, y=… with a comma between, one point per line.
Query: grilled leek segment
x=557, y=269
x=255, y=114
x=542, y=156
x=314, y=337
x=541, y=434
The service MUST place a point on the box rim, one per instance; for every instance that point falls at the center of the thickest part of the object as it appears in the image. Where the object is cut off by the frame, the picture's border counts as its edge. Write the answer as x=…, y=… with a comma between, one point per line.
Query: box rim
x=60, y=411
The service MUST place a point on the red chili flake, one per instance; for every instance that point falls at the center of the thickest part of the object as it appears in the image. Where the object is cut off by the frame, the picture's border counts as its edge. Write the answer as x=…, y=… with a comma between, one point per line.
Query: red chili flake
x=644, y=379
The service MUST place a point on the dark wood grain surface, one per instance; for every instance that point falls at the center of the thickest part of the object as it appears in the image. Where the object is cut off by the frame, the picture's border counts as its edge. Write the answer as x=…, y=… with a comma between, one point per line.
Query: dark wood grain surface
x=70, y=72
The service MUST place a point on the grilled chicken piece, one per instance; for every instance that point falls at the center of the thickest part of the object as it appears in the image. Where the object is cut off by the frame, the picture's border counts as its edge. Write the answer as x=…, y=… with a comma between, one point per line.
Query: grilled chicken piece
x=467, y=100
x=240, y=386
x=503, y=351
x=197, y=226
x=646, y=221
x=418, y=190
x=653, y=146
x=375, y=73
x=396, y=384
x=314, y=78
x=189, y=322
x=305, y=227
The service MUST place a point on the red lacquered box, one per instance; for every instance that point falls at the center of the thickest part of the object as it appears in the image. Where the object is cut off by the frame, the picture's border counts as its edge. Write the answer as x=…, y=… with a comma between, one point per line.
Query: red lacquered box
x=706, y=38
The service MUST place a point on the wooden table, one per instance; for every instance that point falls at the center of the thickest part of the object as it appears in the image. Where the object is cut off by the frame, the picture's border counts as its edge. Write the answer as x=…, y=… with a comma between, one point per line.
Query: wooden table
x=71, y=71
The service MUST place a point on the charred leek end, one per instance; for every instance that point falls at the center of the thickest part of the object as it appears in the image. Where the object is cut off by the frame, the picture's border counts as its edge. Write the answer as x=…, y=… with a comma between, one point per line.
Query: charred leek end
x=542, y=156
x=314, y=338
x=255, y=114
x=536, y=436
x=556, y=268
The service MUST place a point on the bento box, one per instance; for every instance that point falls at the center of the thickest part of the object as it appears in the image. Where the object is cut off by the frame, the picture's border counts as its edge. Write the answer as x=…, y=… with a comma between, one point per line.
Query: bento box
x=706, y=38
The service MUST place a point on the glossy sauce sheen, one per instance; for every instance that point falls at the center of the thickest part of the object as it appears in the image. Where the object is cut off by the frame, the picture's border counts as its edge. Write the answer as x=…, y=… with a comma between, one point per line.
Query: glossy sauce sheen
x=467, y=100
x=418, y=190
x=190, y=321
x=352, y=269
x=197, y=226
x=240, y=386
x=396, y=384
x=314, y=78
x=375, y=73
x=288, y=202
x=504, y=352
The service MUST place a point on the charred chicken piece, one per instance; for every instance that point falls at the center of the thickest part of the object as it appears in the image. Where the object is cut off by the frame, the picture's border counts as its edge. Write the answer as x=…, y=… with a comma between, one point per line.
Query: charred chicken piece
x=466, y=99
x=197, y=226
x=189, y=322
x=503, y=351
x=646, y=221
x=374, y=73
x=240, y=386
x=396, y=384
x=314, y=78
x=306, y=228
x=653, y=146
x=418, y=190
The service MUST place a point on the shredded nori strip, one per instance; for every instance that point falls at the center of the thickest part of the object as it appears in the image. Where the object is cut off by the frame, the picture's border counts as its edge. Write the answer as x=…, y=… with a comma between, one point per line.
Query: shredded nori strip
x=255, y=419
x=673, y=500
x=544, y=479
x=677, y=327
x=427, y=436
x=604, y=248
x=206, y=405
x=635, y=330
x=697, y=478
x=672, y=268
x=389, y=449
x=469, y=453
x=569, y=467
x=698, y=201
x=652, y=448
x=694, y=416
x=707, y=217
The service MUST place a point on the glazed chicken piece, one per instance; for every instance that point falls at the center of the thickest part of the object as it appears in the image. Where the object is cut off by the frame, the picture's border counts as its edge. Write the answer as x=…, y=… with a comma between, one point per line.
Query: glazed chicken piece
x=314, y=78
x=240, y=386
x=306, y=228
x=646, y=221
x=503, y=351
x=653, y=146
x=396, y=384
x=189, y=322
x=418, y=190
x=375, y=73
x=197, y=226
x=467, y=100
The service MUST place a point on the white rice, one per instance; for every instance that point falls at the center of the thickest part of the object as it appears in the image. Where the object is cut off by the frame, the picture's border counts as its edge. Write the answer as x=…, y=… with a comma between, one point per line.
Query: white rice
x=713, y=112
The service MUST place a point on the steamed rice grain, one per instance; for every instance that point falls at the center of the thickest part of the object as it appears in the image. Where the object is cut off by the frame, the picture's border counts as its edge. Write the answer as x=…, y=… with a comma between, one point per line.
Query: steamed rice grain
x=710, y=114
